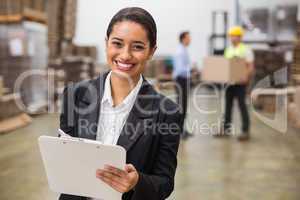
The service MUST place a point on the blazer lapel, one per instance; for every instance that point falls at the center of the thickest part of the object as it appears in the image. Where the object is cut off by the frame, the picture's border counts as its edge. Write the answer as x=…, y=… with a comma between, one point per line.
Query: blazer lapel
x=88, y=122
x=140, y=117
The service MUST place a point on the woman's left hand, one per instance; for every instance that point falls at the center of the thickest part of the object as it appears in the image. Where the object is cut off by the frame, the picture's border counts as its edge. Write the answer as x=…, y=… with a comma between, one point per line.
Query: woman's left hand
x=120, y=180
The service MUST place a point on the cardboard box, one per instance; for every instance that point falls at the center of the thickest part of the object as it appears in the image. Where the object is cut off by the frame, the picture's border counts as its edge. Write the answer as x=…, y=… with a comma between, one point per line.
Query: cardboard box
x=221, y=70
x=69, y=19
x=297, y=98
x=294, y=110
x=39, y=5
x=9, y=7
x=1, y=86
x=9, y=106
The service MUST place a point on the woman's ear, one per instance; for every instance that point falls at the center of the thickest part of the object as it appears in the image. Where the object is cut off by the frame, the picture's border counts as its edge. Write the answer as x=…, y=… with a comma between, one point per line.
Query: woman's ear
x=152, y=51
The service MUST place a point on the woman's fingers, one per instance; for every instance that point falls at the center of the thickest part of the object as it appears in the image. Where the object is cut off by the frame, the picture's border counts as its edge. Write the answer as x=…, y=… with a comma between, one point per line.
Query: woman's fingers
x=115, y=171
x=115, y=185
x=111, y=177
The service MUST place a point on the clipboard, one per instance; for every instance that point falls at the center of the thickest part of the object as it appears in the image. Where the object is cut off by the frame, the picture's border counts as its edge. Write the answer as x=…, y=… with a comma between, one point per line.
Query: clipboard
x=71, y=165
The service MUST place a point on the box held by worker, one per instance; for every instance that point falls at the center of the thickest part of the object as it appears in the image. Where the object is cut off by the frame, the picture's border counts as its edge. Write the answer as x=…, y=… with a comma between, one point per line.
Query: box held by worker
x=221, y=70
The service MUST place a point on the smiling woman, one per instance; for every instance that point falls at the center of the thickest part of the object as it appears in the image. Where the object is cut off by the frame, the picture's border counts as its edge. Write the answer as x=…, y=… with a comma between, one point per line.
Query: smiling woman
x=121, y=108
x=128, y=49
x=130, y=42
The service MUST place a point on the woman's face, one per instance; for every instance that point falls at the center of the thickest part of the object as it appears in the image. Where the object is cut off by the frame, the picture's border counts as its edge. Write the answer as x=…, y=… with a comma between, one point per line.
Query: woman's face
x=128, y=49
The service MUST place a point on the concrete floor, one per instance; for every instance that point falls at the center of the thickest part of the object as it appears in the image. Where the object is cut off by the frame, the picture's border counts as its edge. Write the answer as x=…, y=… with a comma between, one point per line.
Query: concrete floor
x=265, y=168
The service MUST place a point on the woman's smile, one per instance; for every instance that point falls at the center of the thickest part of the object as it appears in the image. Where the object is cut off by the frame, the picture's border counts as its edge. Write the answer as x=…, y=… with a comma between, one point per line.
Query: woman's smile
x=124, y=66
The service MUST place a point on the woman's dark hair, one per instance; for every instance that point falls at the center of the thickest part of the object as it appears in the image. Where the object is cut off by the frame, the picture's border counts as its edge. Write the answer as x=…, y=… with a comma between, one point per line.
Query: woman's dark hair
x=139, y=16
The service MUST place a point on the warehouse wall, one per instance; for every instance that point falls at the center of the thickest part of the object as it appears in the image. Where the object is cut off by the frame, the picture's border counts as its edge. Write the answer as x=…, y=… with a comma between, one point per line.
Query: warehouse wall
x=272, y=6
x=266, y=3
x=171, y=17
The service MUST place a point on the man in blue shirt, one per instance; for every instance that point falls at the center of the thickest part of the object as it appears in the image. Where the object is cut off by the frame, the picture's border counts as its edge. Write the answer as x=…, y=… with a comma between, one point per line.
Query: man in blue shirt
x=182, y=73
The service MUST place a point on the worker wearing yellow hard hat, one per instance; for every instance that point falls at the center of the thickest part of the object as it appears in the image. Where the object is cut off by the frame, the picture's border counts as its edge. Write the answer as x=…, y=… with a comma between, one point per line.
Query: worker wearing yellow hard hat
x=236, y=31
x=238, y=90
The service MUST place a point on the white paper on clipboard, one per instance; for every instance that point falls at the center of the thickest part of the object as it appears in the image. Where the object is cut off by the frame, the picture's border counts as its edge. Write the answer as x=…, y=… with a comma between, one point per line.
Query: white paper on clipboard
x=71, y=165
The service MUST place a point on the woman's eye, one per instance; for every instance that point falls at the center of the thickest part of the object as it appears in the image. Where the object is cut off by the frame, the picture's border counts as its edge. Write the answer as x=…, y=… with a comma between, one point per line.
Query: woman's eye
x=117, y=44
x=138, y=47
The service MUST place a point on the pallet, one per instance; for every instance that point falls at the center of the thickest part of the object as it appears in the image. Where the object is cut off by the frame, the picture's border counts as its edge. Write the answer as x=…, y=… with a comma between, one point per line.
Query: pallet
x=293, y=115
x=28, y=14
x=35, y=15
x=14, y=123
x=11, y=18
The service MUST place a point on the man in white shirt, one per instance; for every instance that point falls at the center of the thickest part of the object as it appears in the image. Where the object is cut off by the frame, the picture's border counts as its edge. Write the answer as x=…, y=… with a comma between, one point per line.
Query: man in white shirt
x=181, y=74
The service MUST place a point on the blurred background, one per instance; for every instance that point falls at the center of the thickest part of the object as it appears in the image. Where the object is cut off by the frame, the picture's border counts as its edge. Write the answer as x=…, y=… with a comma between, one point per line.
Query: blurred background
x=45, y=44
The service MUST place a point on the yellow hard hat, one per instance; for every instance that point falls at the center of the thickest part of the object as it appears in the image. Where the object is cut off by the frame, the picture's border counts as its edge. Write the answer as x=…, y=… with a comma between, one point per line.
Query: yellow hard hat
x=236, y=31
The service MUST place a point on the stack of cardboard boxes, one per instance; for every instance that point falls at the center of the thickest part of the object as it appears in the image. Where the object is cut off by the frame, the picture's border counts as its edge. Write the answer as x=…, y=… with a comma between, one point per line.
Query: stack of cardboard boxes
x=266, y=63
x=67, y=61
x=14, y=59
x=70, y=49
x=85, y=51
x=23, y=49
x=73, y=69
x=61, y=31
x=8, y=7
x=68, y=70
x=69, y=19
x=9, y=106
x=294, y=107
x=1, y=86
x=294, y=110
x=12, y=68
x=61, y=26
x=296, y=64
x=38, y=5
x=17, y=10
x=11, y=114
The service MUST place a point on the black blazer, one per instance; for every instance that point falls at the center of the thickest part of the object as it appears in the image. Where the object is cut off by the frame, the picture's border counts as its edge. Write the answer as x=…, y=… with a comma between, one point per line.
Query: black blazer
x=150, y=134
